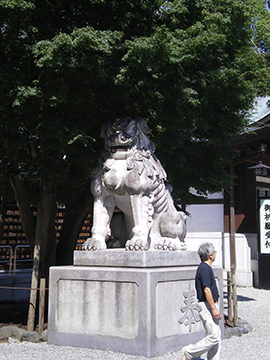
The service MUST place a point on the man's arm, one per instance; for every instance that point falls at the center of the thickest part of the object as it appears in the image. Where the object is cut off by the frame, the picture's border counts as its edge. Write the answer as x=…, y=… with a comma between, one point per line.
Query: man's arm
x=210, y=300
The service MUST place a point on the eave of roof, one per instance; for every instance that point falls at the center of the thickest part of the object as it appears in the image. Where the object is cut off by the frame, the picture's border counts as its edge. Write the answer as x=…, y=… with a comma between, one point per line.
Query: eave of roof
x=255, y=135
x=260, y=113
x=258, y=123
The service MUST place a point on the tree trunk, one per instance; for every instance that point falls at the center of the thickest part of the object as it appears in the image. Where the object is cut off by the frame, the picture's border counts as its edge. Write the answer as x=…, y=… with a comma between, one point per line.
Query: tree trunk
x=26, y=213
x=76, y=212
x=3, y=206
x=20, y=192
x=48, y=243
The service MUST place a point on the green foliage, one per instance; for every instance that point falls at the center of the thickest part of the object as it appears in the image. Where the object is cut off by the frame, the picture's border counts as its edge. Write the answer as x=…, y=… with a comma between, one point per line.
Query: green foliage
x=261, y=25
x=16, y=7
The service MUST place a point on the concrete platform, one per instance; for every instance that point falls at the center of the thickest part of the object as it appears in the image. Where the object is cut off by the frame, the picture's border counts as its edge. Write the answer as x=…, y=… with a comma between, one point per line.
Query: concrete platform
x=140, y=303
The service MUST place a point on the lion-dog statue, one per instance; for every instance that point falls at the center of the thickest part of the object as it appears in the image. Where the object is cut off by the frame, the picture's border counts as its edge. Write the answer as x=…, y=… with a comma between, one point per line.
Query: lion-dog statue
x=130, y=177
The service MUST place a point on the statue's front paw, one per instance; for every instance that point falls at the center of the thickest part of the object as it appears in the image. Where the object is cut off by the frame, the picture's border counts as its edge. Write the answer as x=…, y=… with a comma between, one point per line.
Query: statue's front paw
x=136, y=244
x=170, y=244
x=92, y=244
x=165, y=244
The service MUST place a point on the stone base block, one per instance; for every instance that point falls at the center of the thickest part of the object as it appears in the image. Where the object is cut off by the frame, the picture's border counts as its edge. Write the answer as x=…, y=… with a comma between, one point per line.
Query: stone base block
x=144, y=310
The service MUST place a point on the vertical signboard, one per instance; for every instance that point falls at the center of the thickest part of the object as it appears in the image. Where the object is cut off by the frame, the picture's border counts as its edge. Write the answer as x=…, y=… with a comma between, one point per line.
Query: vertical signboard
x=264, y=226
x=264, y=243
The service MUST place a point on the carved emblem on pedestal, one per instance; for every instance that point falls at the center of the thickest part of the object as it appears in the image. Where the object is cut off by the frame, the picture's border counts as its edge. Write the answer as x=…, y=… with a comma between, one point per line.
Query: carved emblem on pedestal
x=190, y=311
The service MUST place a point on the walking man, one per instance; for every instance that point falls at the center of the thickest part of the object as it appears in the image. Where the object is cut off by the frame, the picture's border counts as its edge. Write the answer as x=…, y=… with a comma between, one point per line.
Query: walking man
x=207, y=294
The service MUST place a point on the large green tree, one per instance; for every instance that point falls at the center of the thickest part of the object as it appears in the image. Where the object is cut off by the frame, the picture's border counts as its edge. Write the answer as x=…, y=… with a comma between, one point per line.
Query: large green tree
x=186, y=66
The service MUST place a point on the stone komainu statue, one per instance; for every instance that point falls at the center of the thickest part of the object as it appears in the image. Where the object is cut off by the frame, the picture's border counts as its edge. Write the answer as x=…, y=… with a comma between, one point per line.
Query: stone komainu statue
x=130, y=177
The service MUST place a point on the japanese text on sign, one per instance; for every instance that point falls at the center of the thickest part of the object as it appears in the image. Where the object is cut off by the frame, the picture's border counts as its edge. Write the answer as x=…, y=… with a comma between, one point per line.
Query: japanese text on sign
x=265, y=226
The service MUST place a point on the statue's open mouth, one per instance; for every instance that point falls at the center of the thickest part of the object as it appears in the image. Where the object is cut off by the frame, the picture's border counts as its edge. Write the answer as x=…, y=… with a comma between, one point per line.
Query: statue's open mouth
x=120, y=143
x=115, y=149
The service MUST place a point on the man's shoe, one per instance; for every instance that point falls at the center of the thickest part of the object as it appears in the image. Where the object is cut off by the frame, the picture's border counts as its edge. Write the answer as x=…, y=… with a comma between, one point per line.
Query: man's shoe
x=183, y=354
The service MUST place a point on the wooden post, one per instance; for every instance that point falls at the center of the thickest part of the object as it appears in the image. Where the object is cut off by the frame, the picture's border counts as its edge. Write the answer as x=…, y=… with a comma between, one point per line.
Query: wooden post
x=41, y=305
x=229, y=292
x=232, y=246
x=36, y=258
x=234, y=296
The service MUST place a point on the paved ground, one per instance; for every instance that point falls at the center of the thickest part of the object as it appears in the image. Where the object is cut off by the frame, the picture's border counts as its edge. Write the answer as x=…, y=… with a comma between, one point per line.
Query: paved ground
x=253, y=306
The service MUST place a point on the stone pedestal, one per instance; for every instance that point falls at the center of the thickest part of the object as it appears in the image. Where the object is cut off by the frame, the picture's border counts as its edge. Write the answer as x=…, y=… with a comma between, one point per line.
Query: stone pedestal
x=141, y=303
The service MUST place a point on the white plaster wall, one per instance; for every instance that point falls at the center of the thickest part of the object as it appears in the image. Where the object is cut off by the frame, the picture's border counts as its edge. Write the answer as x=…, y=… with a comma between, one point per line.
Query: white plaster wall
x=194, y=239
x=242, y=251
x=252, y=240
x=244, y=276
x=205, y=218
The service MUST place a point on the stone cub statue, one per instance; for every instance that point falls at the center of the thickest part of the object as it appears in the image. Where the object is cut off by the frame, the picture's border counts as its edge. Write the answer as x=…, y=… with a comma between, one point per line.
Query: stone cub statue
x=130, y=177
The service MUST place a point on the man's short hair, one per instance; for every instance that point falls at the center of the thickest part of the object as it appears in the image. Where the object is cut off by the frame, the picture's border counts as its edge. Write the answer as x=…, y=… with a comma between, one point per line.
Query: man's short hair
x=205, y=250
